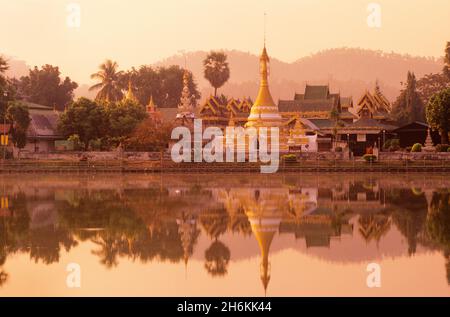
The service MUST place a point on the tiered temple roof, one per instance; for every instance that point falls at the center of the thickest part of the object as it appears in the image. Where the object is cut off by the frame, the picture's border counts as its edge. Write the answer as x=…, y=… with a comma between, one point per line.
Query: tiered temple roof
x=316, y=102
x=217, y=113
x=374, y=105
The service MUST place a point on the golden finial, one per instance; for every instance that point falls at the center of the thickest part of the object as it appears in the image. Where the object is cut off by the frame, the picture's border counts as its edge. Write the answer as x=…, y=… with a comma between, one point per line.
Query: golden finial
x=265, y=21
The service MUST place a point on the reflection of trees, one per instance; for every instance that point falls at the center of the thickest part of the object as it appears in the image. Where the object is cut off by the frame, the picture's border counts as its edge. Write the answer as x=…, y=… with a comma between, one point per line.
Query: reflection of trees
x=373, y=227
x=215, y=222
x=410, y=215
x=46, y=243
x=217, y=257
x=438, y=225
x=121, y=232
x=239, y=223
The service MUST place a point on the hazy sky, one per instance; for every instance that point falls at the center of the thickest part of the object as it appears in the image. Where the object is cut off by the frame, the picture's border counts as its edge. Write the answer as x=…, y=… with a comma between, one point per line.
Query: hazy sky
x=135, y=32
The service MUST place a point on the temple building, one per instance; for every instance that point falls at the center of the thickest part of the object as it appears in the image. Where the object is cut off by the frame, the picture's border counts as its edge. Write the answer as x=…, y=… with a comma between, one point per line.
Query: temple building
x=375, y=106
x=218, y=113
x=299, y=140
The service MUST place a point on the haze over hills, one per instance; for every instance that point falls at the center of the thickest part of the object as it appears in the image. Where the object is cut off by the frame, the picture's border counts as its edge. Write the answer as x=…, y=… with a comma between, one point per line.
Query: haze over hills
x=348, y=70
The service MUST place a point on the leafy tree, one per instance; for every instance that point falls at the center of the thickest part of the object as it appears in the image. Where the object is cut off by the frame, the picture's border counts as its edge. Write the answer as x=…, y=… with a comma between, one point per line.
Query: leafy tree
x=110, y=82
x=85, y=118
x=151, y=135
x=409, y=107
x=447, y=61
x=171, y=79
x=216, y=69
x=7, y=89
x=431, y=84
x=44, y=86
x=123, y=117
x=438, y=113
x=19, y=117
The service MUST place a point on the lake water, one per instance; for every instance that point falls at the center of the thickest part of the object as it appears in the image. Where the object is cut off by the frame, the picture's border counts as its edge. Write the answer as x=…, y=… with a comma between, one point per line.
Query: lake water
x=225, y=235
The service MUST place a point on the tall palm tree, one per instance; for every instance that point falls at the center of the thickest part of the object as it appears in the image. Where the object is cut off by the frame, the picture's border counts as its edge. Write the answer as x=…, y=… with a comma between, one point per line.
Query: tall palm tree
x=109, y=84
x=216, y=69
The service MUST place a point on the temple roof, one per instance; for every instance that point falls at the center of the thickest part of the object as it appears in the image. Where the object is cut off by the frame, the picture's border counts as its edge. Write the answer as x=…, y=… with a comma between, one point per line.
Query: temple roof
x=305, y=105
x=44, y=122
x=316, y=92
x=369, y=123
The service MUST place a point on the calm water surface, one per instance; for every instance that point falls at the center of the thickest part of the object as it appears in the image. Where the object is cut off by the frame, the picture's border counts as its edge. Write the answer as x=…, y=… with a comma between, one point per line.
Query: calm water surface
x=234, y=235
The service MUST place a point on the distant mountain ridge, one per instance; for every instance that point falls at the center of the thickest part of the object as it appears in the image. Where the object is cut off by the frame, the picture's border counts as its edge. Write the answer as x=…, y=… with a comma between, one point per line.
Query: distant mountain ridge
x=349, y=71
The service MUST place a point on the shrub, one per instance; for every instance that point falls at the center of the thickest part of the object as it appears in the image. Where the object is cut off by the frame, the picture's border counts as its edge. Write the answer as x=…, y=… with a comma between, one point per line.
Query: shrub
x=442, y=147
x=77, y=144
x=416, y=147
x=392, y=145
x=290, y=158
x=96, y=145
x=338, y=149
x=370, y=157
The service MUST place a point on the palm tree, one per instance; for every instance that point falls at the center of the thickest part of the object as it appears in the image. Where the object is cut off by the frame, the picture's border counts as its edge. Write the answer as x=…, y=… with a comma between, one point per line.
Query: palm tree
x=216, y=69
x=109, y=84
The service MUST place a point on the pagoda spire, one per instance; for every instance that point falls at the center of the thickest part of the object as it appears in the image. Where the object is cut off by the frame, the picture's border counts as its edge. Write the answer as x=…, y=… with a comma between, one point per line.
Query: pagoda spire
x=130, y=95
x=264, y=112
x=186, y=97
x=151, y=107
x=429, y=146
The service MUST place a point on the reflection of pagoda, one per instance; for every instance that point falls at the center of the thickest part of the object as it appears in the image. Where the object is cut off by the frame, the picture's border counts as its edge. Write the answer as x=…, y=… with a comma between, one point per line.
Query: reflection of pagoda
x=187, y=228
x=265, y=216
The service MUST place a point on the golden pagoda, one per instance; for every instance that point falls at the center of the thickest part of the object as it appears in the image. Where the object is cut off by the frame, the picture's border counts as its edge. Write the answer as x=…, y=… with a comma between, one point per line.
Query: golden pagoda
x=130, y=95
x=264, y=112
x=151, y=108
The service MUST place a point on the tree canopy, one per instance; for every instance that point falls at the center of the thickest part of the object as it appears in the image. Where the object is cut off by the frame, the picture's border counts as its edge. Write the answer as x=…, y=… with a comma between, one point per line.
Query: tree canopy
x=19, y=118
x=438, y=113
x=108, y=123
x=109, y=85
x=45, y=87
x=446, y=70
x=84, y=118
x=216, y=69
x=409, y=107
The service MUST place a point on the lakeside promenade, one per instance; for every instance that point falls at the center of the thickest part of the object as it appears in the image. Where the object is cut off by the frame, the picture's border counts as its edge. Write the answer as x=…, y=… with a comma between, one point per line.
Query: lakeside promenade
x=166, y=166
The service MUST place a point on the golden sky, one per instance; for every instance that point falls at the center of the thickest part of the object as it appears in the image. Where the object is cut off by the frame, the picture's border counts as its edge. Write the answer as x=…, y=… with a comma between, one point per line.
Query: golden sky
x=135, y=32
